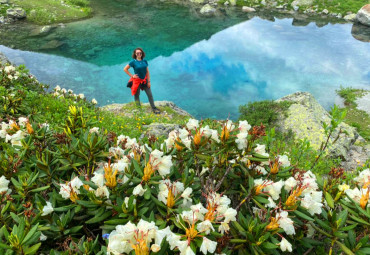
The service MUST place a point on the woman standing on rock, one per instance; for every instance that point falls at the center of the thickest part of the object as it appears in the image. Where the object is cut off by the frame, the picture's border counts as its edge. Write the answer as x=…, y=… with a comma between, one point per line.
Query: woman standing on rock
x=141, y=78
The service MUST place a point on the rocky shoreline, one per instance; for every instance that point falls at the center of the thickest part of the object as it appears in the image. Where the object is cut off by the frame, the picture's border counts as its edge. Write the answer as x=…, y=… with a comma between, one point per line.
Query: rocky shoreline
x=299, y=9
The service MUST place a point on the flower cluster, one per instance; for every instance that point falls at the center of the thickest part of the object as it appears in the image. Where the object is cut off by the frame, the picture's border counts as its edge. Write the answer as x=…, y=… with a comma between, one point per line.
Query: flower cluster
x=14, y=132
x=361, y=194
x=11, y=72
x=62, y=92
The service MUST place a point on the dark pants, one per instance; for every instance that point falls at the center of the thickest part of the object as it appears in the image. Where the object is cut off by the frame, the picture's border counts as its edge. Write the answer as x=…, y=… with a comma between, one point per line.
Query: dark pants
x=148, y=93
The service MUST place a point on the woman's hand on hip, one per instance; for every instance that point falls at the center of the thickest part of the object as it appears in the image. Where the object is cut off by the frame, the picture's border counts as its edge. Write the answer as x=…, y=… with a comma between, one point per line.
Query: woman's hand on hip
x=135, y=76
x=149, y=84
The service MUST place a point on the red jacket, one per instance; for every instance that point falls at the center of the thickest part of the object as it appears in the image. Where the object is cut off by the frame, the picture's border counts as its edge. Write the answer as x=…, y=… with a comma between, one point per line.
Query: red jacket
x=134, y=83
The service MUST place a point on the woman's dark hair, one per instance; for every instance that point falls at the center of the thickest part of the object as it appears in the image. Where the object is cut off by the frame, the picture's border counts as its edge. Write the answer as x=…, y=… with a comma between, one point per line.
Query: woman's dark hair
x=134, y=55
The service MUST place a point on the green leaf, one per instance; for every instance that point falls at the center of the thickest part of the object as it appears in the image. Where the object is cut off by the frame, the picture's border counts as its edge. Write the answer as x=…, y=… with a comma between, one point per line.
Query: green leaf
x=40, y=189
x=99, y=218
x=303, y=215
x=30, y=234
x=345, y=248
x=32, y=250
x=269, y=245
x=329, y=200
x=238, y=241
x=137, y=168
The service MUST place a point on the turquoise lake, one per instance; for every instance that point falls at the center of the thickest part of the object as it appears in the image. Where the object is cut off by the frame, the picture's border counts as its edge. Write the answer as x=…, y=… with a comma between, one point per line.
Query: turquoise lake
x=207, y=66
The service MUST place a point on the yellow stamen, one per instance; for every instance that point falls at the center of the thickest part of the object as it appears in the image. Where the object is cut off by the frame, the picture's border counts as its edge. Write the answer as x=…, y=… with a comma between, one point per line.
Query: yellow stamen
x=273, y=224
x=225, y=134
x=177, y=145
x=191, y=233
x=148, y=171
x=73, y=196
x=29, y=128
x=197, y=138
x=110, y=176
x=275, y=167
x=292, y=199
x=364, y=199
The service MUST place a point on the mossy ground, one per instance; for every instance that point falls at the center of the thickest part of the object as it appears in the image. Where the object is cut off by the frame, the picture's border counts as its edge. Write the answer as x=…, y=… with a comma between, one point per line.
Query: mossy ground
x=54, y=11
x=355, y=117
x=333, y=6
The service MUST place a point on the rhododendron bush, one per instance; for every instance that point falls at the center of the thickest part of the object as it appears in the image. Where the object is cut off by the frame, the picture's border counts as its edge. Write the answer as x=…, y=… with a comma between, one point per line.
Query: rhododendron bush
x=202, y=190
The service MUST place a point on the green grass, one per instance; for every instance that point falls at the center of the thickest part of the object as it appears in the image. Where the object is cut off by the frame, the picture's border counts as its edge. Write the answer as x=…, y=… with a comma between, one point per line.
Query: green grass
x=356, y=118
x=53, y=11
x=265, y=112
x=333, y=6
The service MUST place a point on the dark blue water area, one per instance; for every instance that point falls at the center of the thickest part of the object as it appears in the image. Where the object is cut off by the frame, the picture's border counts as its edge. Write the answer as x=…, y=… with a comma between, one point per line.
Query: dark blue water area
x=249, y=61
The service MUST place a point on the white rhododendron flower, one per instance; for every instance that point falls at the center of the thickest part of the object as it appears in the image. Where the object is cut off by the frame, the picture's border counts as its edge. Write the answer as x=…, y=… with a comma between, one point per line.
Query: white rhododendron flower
x=43, y=237
x=312, y=202
x=48, y=208
x=242, y=141
x=285, y=222
x=66, y=189
x=138, y=190
x=205, y=226
x=9, y=69
x=284, y=160
x=98, y=178
x=290, y=183
x=81, y=96
x=208, y=246
x=130, y=143
x=229, y=125
x=192, y=124
x=162, y=163
x=274, y=189
x=93, y=101
x=244, y=126
x=4, y=184
x=285, y=245
x=94, y=130
x=22, y=121
x=57, y=88
x=102, y=192
x=363, y=178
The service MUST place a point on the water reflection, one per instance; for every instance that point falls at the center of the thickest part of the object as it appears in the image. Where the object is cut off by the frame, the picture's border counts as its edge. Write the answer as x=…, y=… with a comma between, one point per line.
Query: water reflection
x=250, y=61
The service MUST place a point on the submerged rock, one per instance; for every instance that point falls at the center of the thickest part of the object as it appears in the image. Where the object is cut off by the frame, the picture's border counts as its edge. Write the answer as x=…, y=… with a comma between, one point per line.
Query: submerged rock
x=363, y=15
x=207, y=10
x=53, y=44
x=305, y=117
x=16, y=13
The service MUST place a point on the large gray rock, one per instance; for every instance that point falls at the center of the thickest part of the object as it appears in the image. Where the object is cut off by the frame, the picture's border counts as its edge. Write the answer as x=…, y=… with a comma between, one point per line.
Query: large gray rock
x=302, y=2
x=16, y=13
x=126, y=109
x=357, y=157
x=53, y=44
x=198, y=1
x=207, y=10
x=4, y=1
x=305, y=117
x=363, y=15
x=160, y=129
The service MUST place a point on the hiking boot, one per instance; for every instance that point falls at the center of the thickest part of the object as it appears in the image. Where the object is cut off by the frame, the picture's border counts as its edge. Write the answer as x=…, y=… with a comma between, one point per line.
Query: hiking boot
x=156, y=110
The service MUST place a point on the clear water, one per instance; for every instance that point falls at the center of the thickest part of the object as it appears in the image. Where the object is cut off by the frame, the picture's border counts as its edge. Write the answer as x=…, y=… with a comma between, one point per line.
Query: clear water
x=206, y=66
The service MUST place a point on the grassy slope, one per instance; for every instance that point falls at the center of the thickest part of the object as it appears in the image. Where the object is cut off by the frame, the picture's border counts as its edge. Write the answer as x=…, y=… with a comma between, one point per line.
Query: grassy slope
x=54, y=11
x=357, y=118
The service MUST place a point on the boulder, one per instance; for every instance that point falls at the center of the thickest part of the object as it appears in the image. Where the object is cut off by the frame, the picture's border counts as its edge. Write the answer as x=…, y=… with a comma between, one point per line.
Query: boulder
x=198, y=1
x=207, y=10
x=160, y=129
x=4, y=1
x=2, y=19
x=350, y=17
x=248, y=9
x=305, y=117
x=357, y=157
x=302, y=2
x=40, y=31
x=363, y=15
x=16, y=13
